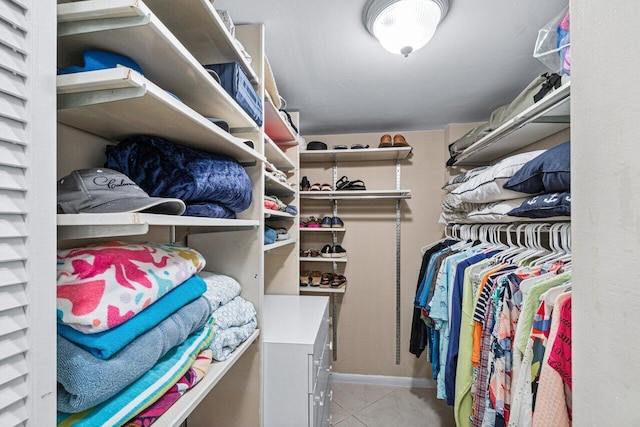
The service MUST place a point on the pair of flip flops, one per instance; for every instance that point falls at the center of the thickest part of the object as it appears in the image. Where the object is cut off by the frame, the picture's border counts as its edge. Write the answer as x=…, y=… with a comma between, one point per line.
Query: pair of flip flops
x=344, y=184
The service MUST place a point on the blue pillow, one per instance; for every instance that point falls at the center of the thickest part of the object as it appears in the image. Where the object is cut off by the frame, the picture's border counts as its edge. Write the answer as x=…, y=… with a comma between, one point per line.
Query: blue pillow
x=544, y=206
x=550, y=172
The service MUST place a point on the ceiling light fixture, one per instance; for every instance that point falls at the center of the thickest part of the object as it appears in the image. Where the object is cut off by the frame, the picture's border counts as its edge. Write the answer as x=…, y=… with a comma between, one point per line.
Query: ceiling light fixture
x=404, y=26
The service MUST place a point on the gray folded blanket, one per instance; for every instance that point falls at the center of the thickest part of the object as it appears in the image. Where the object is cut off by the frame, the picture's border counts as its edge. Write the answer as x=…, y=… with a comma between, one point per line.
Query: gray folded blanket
x=85, y=381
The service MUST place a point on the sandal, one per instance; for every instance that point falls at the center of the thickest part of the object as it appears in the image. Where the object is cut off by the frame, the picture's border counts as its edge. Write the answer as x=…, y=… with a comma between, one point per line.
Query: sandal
x=315, y=187
x=326, y=280
x=305, y=253
x=338, y=280
x=314, y=252
x=313, y=222
x=358, y=184
x=315, y=278
x=358, y=146
x=326, y=187
x=305, y=278
x=342, y=183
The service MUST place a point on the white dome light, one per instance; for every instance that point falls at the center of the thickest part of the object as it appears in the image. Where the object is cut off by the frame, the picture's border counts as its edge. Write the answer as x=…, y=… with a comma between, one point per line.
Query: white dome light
x=404, y=26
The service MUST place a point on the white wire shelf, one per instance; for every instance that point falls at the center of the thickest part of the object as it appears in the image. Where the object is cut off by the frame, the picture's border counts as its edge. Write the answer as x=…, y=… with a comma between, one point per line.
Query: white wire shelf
x=91, y=225
x=356, y=195
x=322, y=259
x=546, y=117
x=350, y=155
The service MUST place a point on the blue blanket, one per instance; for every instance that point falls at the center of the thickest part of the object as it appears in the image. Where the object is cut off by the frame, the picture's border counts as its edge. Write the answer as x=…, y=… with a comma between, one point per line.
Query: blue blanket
x=105, y=344
x=225, y=341
x=220, y=288
x=164, y=169
x=85, y=381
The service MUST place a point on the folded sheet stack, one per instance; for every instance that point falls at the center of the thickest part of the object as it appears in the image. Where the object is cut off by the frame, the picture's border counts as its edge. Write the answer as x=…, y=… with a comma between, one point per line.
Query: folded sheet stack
x=132, y=320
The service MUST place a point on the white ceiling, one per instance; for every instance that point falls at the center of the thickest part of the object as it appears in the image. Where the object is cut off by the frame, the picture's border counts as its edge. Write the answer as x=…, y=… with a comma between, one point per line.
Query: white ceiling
x=330, y=69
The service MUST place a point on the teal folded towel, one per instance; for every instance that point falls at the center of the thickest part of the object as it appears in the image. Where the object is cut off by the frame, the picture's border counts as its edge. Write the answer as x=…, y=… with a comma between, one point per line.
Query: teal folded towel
x=85, y=381
x=105, y=344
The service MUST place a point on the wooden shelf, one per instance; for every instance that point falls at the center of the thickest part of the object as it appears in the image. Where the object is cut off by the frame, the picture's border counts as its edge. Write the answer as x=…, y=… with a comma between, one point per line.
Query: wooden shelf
x=198, y=26
x=279, y=244
x=275, y=126
x=356, y=195
x=275, y=187
x=321, y=259
x=546, y=117
x=349, y=155
x=271, y=214
x=91, y=225
x=128, y=27
x=321, y=229
x=276, y=156
x=318, y=290
x=180, y=410
x=119, y=102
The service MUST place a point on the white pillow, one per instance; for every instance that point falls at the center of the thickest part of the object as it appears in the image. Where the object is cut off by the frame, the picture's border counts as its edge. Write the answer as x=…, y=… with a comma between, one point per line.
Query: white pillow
x=461, y=178
x=496, y=211
x=487, y=187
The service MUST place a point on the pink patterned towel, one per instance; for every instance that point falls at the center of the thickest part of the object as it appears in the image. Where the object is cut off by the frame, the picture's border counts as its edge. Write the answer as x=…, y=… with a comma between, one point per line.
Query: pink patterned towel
x=102, y=286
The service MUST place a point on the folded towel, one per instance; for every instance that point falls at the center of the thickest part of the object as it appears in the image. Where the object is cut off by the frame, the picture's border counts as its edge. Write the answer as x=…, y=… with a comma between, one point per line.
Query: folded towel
x=85, y=381
x=225, y=341
x=220, y=288
x=237, y=312
x=105, y=344
x=146, y=390
x=195, y=373
x=100, y=287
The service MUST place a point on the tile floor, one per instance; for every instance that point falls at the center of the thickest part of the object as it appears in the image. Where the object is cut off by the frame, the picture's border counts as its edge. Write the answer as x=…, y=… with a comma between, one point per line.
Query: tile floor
x=364, y=405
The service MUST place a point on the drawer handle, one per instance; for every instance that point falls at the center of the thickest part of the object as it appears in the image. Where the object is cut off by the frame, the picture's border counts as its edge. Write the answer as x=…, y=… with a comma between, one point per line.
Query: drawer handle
x=331, y=395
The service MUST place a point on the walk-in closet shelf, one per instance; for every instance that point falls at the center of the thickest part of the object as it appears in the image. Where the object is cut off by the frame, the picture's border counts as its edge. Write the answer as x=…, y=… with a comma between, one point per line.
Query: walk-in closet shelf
x=278, y=157
x=270, y=213
x=334, y=157
x=83, y=226
x=279, y=244
x=546, y=117
x=109, y=103
x=128, y=27
x=199, y=27
x=277, y=188
x=275, y=126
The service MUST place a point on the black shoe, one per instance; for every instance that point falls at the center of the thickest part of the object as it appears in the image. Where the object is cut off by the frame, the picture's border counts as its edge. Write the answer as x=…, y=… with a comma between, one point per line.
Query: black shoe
x=305, y=185
x=326, y=251
x=338, y=251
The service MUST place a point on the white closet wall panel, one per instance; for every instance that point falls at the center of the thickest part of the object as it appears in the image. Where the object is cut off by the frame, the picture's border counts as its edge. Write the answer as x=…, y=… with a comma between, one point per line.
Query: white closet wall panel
x=27, y=201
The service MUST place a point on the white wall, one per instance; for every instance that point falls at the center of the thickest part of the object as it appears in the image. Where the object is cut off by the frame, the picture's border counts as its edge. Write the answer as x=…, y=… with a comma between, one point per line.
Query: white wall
x=606, y=200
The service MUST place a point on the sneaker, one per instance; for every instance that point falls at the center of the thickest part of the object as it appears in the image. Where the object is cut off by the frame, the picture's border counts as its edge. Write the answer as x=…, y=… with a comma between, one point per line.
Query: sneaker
x=336, y=222
x=338, y=251
x=326, y=251
x=327, y=222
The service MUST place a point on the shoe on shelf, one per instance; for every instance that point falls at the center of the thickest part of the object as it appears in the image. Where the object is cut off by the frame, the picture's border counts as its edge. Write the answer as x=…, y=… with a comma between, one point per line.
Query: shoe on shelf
x=327, y=222
x=399, y=141
x=338, y=251
x=385, y=141
x=305, y=278
x=305, y=185
x=336, y=222
x=316, y=276
x=338, y=280
x=326, y=251
x=326, y=280
x=283, y=234
x=313, y=222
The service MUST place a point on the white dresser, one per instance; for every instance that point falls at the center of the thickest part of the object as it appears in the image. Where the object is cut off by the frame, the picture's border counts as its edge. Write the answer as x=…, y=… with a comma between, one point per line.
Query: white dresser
x=295, y=332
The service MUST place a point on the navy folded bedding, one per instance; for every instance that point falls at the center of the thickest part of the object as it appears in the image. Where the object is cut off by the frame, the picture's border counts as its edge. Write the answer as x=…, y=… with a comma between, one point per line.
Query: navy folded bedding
x=164, y=169
x=209, y=210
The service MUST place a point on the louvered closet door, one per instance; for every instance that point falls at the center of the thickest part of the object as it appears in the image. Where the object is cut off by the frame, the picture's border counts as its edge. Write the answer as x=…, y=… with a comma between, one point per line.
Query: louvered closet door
x=27, y=213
